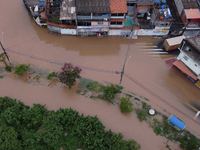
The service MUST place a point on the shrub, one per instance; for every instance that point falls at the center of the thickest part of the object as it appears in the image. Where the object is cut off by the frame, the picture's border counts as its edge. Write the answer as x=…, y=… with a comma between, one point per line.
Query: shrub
x=69, y=73
x=155, y=120
x=126, y=105
x=51, y=75
x=141, y=114
x=19, y=70
x=36, y=77
x=94, y=86
x=111, y=91
x=8, y=68
x=56, y=20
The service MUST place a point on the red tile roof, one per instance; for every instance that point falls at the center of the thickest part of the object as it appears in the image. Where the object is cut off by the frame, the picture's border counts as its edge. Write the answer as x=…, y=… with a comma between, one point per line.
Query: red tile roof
x=192, y=13
x=118, y=6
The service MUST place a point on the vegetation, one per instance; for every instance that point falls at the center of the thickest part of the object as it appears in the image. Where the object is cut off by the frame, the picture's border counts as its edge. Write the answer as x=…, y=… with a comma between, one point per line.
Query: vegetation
x=19, y=70
x=56, y=20
x=143, y=112
x=126, y=105
x=36, y=77
x=1, y=77
x=103, y=92
x=22, y=127
x=8, y=68
x=69, y=73
x=2, y=59
x=51, y=75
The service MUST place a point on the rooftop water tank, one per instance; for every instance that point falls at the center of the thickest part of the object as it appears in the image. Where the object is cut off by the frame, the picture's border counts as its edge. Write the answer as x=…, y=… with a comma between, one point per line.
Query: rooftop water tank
x=41, y=4
x=163, y=1
x=157, y=2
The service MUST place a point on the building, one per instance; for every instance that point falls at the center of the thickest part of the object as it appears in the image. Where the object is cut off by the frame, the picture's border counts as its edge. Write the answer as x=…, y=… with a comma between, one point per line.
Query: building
x=188, y=10
x=61, y=16
x=93, y=17
x=120, y=23
x=188, y=61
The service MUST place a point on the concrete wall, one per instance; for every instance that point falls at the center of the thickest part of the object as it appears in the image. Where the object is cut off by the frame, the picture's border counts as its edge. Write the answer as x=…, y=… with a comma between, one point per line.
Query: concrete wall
x=68, y=31
x=96, y=24
x=114, y=32
x=189, y=63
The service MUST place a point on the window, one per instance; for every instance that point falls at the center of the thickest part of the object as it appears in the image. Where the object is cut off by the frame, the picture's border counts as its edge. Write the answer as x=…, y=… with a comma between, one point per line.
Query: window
x=115, y=23
x=117, y=14
x=100, y=23
x=84, y=23
x=130, y=4
x=188, y=49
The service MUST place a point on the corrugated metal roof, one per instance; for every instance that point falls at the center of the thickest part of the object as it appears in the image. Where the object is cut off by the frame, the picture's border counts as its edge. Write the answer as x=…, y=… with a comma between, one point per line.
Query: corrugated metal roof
x=195, y=42
x=118, y=6
x=192, y=13
x=92, y=6
x=145, y=2
x=187, y=4
x=67, y=11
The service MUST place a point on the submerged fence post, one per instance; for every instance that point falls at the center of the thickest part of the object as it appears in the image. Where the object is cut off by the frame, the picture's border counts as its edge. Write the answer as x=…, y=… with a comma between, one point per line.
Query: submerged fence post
x=5, y=52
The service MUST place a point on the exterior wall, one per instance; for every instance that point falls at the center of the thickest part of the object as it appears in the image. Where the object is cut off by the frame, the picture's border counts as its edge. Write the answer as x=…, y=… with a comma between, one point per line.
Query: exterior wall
x=179, y=6
x=114, y=32
x=143, y=7
x=195, y=20
x=68, y=31
x=189, y=63
x=183, y=18
x=96, y=24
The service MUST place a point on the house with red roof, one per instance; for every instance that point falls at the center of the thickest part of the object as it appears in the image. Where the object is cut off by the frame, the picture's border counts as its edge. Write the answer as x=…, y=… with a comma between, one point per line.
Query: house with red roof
x=120, y=23
x=189, y=12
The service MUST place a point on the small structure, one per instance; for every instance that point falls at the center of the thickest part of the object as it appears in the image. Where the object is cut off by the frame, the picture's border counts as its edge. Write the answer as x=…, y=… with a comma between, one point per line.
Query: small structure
x=173, y=43
x=176, y=123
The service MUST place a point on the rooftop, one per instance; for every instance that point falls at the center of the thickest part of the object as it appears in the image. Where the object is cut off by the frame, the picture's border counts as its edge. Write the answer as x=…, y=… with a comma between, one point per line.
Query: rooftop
x=195, y=42
x=67, y=11
x=92, y=6
x=163, y=12
x=145, y=1
x=118, y=6
x=192, y=13
x=187, y=4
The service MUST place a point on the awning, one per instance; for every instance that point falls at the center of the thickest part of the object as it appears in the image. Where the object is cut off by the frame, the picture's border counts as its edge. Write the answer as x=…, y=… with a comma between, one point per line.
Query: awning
x=183, y=68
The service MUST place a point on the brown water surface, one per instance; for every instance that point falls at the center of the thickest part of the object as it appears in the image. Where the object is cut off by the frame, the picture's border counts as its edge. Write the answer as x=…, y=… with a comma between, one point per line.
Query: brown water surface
x=145, y=74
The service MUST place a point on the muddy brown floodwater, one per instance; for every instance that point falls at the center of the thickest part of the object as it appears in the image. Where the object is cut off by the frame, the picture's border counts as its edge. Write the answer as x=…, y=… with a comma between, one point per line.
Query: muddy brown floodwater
x=145, y=74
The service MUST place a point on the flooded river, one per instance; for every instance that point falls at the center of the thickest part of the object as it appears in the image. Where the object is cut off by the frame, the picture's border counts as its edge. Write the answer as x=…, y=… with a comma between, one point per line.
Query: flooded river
x=145, y=71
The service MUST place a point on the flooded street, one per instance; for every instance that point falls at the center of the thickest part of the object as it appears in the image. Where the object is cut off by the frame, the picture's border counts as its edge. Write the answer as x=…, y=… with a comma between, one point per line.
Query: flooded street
x=145, y=73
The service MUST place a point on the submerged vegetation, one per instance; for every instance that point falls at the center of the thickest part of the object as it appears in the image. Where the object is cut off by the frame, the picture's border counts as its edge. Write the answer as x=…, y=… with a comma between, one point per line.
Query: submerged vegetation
x=22, y=127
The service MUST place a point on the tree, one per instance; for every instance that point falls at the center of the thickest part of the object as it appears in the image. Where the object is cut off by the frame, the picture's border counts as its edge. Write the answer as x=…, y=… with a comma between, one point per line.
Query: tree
x=9, y=138
x=68, y=74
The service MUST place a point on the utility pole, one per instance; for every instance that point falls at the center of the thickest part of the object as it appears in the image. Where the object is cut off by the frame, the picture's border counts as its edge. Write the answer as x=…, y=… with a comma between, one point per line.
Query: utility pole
x=122, y=73
x=5, y=52
x=2, y=37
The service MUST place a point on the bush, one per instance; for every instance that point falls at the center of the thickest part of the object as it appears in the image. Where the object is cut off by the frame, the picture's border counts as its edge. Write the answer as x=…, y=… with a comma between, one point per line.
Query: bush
x=141, y=114
x=51, y=75
x=8, y=68
x=111, y=91
x=126, y=105
x=69, y=73
x=19, y=70
x=94, y=87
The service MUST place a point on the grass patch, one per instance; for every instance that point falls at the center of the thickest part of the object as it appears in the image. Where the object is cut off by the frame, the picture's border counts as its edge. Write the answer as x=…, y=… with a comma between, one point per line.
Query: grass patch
x=1, y=77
